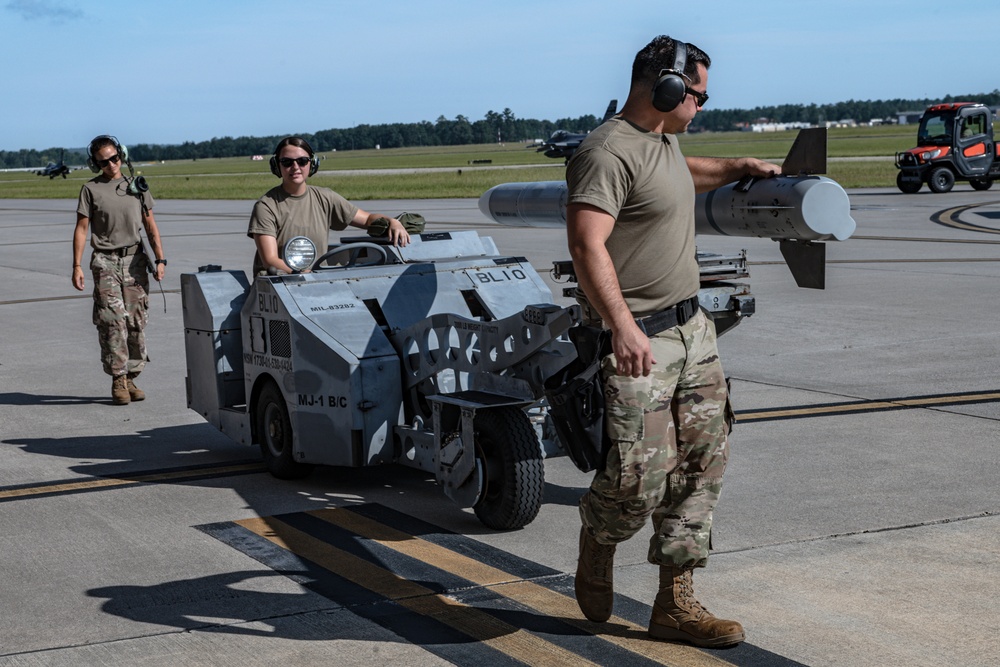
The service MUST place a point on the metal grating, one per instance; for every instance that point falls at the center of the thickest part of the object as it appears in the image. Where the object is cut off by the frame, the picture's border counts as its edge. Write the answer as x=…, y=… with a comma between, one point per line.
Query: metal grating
x=281, y=338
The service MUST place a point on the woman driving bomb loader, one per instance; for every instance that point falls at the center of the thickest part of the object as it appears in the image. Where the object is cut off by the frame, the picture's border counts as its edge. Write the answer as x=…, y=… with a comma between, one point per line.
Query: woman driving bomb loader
x=296, y=208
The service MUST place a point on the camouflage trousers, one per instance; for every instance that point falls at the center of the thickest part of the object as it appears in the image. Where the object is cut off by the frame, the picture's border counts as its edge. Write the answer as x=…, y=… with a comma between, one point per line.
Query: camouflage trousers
x=669, y=448
x=121, y=301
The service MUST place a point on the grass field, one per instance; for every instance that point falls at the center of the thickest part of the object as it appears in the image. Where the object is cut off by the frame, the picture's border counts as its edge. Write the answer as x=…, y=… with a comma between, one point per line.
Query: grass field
x=860, y=157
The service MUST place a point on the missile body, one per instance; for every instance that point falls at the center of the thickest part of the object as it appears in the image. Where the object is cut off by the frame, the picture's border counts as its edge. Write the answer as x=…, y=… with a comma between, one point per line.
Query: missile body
x=541, y=204
x=801, y=208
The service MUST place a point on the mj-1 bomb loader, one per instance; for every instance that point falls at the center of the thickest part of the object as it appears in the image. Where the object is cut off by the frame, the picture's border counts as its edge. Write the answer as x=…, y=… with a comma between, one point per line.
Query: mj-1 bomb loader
x=434, y=355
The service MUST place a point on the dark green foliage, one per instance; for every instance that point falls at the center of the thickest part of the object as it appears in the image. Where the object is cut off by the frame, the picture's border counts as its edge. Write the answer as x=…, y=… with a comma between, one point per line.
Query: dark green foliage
x=30, y=158
x=862, y=111
x=495, y=127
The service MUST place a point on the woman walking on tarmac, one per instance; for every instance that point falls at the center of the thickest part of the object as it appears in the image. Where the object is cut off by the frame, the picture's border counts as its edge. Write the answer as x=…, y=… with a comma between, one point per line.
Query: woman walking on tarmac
x=112, y=207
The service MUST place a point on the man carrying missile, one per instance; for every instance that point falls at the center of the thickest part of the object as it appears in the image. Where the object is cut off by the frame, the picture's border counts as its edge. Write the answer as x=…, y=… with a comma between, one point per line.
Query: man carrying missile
x=630, y=229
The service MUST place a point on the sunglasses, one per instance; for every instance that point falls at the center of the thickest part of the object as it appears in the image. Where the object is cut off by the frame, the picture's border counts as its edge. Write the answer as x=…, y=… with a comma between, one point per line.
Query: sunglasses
x=104, y=163
x=287, y=162
x=700, y=98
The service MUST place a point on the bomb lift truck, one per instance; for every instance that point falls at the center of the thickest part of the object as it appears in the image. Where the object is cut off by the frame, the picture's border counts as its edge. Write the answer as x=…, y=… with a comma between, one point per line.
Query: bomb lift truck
x=434, y=355
x=954, y=143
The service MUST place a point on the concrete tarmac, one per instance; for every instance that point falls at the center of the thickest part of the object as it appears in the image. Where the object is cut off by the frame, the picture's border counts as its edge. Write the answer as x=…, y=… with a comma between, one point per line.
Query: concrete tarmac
x=859, y=523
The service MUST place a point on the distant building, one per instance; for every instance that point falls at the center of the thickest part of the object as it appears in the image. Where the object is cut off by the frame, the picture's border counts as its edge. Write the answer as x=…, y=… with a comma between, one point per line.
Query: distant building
x=775, y=127
x=909, y=117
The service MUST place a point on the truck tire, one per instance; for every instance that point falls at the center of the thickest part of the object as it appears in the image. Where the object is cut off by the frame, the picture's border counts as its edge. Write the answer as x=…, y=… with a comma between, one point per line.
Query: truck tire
x=274, y=432
x=940, y=180
x=907, y=187
x=981, y=183
x=512, y=473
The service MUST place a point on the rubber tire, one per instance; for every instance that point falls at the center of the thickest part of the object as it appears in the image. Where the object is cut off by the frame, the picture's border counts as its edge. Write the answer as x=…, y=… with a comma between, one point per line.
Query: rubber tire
x=274, y=431
x=510, y=461
x=907, y=187
x=941, y=180
x=981, y=183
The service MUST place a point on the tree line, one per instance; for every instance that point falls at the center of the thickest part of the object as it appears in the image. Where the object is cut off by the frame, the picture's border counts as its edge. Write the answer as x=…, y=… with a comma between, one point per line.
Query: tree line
x=862, y=111
x=494, y=127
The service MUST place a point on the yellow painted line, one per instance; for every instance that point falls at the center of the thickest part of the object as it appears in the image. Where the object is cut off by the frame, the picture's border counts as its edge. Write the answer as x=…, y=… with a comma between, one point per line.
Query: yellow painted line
x=68, y=486
x=110, y=482
x=841, y=408
x=950, y=218
x=499, y=635
x=617, y=631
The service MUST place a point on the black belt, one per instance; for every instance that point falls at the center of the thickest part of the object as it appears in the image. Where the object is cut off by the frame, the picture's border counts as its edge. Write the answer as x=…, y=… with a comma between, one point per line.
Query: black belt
x=122, y=252
x=668, y=317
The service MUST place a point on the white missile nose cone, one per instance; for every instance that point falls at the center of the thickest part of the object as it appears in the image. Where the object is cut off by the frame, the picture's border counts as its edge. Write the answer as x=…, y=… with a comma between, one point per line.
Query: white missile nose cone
x=826, y=209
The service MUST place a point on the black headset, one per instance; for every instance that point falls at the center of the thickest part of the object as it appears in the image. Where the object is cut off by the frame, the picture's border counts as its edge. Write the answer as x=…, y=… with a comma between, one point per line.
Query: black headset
x=92, y=163
x=671, y=86
x=313, y=160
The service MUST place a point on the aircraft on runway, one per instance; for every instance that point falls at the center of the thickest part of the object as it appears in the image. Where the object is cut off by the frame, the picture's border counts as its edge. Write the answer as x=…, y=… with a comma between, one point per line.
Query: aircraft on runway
x=53, y=169
x=563, y=144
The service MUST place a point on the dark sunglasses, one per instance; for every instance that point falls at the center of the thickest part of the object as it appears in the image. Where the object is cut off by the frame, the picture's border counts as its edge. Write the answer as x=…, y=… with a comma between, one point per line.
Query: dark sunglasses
x=104, y=163
x=287, y=162
x=700, y=98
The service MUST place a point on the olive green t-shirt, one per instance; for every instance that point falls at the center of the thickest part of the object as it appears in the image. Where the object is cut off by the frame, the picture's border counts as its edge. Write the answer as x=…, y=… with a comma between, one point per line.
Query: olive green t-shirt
x=312, y=214
x=642, y=179
x=115, y=215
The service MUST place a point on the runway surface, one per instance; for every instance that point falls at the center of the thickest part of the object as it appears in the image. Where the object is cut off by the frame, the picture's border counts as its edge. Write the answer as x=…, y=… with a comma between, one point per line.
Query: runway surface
x=858, y=525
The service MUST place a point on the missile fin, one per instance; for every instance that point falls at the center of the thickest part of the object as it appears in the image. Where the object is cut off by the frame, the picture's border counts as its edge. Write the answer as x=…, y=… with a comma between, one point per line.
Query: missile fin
x=807, y=262
x=808, y=153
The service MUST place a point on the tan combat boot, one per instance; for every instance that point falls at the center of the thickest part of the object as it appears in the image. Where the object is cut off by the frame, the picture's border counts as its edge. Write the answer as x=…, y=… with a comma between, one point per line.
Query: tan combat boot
x=134, y=392
x=678, y=616
x=119, y=390
x=594, y=578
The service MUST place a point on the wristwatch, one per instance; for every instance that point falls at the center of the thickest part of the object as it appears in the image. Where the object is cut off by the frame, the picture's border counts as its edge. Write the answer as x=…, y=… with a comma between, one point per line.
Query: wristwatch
x=161, y=261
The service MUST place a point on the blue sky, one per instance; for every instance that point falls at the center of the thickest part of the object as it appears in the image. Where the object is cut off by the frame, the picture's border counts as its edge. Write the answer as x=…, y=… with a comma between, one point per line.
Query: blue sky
x=184, y=70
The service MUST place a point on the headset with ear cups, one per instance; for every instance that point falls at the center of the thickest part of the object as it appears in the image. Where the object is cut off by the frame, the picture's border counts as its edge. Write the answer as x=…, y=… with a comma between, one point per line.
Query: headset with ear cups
x=92, y=163
x=313, y=164
x=671, y=87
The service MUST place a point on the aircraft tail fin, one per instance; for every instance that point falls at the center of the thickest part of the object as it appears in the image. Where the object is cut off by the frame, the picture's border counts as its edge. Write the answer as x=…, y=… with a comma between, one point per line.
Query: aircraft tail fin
x=612, y=108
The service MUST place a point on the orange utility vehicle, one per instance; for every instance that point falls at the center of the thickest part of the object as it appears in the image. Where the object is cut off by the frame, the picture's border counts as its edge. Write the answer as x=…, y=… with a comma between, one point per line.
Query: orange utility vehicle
x=954, y=143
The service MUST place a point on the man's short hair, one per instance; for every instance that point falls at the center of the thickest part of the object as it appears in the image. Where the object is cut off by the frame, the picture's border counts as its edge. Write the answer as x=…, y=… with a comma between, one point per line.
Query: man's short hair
x=659, y=55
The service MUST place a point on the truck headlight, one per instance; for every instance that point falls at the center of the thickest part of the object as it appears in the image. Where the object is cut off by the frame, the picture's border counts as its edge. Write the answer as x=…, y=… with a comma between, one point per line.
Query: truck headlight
x=300, y=253
x=927, y=156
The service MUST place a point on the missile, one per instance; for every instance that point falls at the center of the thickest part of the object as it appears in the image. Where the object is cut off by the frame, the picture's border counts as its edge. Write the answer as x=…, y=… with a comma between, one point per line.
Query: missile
x=797, y=208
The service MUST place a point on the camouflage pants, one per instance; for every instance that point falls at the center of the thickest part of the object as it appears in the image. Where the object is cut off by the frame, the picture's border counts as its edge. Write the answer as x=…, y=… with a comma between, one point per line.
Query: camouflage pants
x=669, y=448
x=121, y=286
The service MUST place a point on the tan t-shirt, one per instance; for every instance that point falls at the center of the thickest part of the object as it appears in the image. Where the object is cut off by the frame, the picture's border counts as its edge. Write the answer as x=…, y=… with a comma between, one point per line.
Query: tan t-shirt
x=115, y=215
x=642, y=179
x=312, y=214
